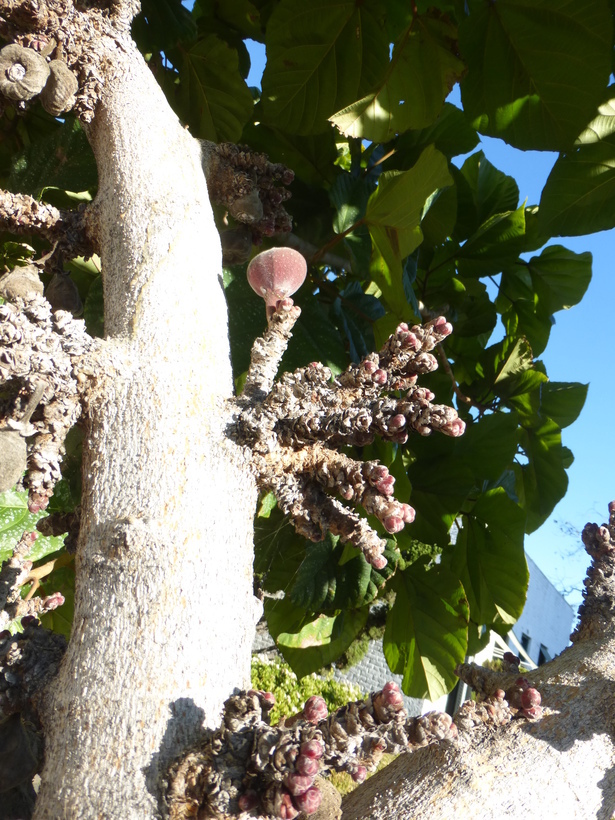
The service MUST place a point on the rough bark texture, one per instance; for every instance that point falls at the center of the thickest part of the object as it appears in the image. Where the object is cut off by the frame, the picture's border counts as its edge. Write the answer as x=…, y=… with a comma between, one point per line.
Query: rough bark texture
x=559, y=766
x=164, y=610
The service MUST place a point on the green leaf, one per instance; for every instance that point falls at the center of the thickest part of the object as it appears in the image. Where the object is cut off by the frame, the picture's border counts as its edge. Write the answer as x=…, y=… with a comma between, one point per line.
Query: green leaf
x=543, y=480
x=393, y=217
x=278, y=551
x=320, y=57
x=536, y=71
x=354, y=313
x=309, y=643
x=213, y=98
x=489, y=445
x=489, y=559
x=495, y=244
x=325, y=581
x=423, y=69
x=241, y=15
x=440, y=485
x=492, y=191
x=161, y=24
x=63, y=160
x=312, y=158
x=349, y=195
x=15, y=520
x=426, y=631
x=603, y=124
x=438, y=223
x=579, y=194
x=451, y=134
x=562, y=401
x=94, y=308
x=60, y=619
x=560, y=276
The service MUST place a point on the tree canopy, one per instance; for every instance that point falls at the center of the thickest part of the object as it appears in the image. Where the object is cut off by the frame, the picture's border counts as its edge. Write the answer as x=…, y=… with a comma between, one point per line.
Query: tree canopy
x=401, y=219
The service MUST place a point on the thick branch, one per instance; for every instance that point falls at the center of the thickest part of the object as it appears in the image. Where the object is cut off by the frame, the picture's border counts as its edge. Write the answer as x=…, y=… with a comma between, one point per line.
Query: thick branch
x=66, y=230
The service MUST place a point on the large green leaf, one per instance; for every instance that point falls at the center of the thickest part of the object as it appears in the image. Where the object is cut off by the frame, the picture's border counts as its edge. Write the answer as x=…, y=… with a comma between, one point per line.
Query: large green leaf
x=62, y=159
x=489, y=559
x=492, y=191
x=424, y=67
x=161, y=24
x=393, y=217
x=531, y=292
x=15, y=520
x=562, y=401
x=278, y=551
x=308, y=643
x=332, y=576
x=241, y=15
x=320, y=57
x=579, y=196
x=536, y=71
x=489, y=445
x=451, y=133
x=354, y=313
x=213, y=98
x=494, y=246
x=426, y=630
x=543, y=480
x=560, y=276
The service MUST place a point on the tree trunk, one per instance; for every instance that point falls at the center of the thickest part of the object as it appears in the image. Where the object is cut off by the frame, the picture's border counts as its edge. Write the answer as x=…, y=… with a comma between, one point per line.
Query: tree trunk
x=164, y=611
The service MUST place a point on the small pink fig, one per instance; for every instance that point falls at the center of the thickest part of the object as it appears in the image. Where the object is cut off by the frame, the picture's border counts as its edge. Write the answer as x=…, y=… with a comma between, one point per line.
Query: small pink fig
x=276, y=274
x=306, y=765
x=313, y=748
x=298, y=783
x=309, y=801
x=248, y=800
x=530, y=697
x=393, y=523
x=359, y=774
x=378, y=561
x=315, y=709
x=287, y=810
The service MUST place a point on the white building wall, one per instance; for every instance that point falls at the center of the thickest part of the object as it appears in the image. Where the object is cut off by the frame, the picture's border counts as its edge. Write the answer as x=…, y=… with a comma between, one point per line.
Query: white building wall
x=547, y=619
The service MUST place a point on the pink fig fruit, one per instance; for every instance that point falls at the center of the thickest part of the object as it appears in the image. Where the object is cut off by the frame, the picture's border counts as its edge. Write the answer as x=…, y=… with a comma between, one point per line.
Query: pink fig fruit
x=276, y=274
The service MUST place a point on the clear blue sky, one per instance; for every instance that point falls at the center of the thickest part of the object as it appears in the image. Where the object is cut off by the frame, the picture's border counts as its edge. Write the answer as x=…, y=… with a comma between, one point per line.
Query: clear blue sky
x=580, y=349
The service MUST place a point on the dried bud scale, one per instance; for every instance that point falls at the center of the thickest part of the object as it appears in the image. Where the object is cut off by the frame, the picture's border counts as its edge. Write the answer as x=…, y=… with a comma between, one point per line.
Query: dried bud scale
x=251, y=187
x=294, y=426
x=38, y=347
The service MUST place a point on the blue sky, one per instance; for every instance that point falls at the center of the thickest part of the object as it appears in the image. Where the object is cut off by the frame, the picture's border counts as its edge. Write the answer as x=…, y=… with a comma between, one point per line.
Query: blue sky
x=580, y=348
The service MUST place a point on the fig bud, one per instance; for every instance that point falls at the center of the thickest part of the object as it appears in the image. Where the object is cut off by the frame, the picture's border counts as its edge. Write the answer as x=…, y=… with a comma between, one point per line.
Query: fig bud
x=276, y=274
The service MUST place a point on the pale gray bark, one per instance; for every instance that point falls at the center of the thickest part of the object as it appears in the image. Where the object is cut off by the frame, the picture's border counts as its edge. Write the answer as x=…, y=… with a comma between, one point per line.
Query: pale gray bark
x=559, y=766
x=164, y=610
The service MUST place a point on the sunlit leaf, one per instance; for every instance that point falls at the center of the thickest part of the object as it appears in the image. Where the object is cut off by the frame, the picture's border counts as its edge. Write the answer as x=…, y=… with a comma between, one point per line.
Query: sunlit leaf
x=212, y=97
x=489, y=559
x=426, y=631
x=536, y=71
x=320, y=57
x=424, y=67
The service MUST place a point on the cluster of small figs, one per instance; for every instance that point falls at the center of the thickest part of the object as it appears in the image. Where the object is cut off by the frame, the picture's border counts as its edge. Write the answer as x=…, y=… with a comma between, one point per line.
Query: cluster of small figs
x=296, y=425
x=247, y=765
